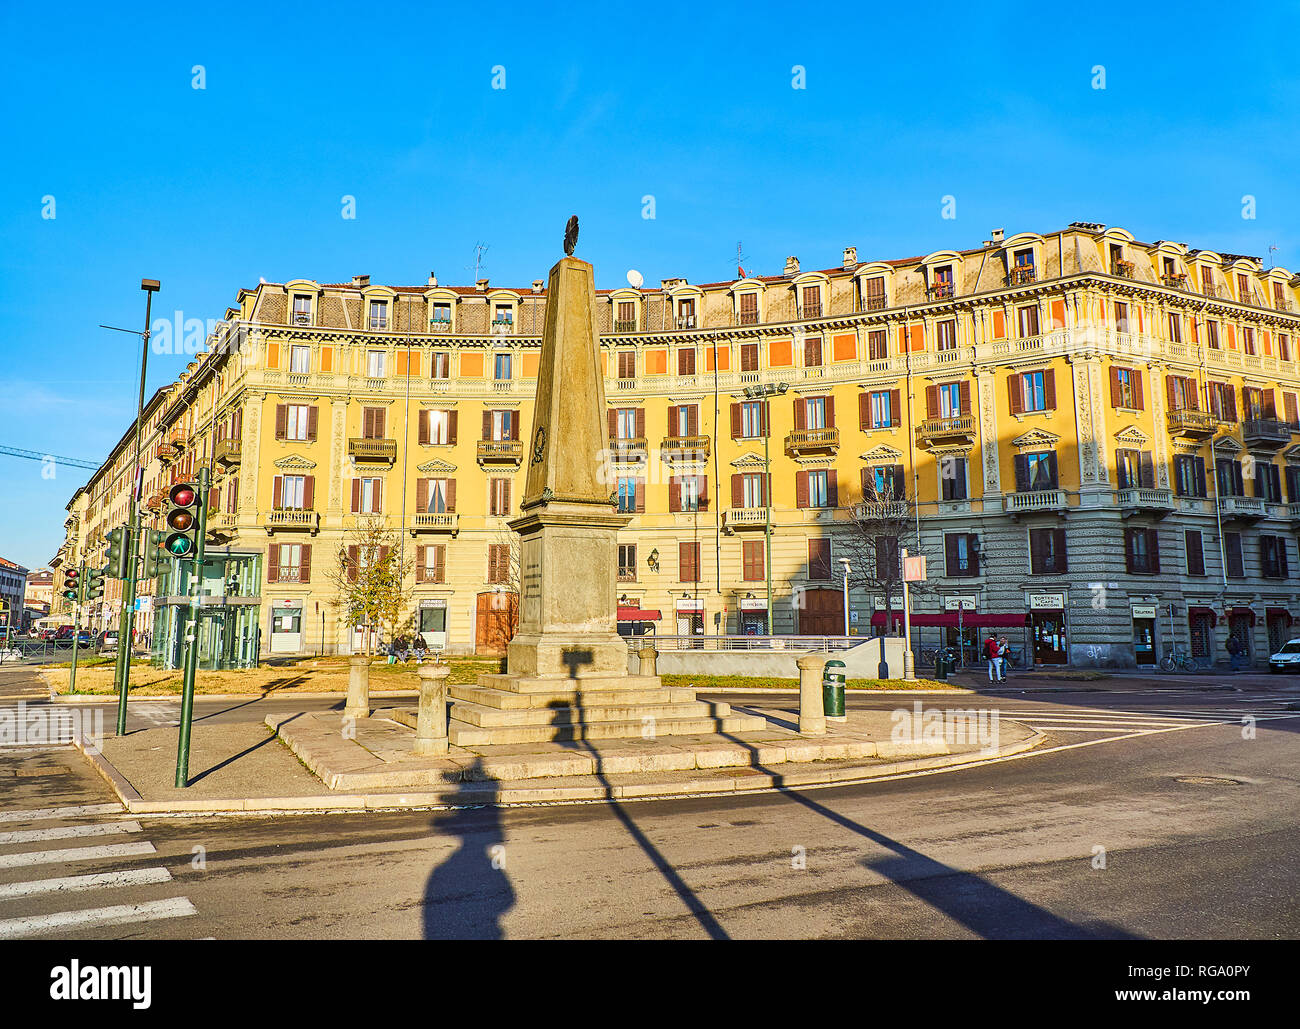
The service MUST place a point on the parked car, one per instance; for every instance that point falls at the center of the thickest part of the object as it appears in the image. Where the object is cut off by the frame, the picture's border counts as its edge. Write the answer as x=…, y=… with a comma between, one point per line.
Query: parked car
x=1287, y=659
x=85, y=638
x=107, y=640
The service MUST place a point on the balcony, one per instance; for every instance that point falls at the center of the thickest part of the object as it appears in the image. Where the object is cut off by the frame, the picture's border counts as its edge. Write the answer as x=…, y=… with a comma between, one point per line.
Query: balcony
x=628, y=326
x=810, y=311
x=1191, y=424
x=876, y=302
x=301, y=318
x=156, y=500
x=1034, y=501
x=955, y=429
x=1122, y=269
x=440, y=325
x=748, y=317
x=1270, y=433
x=812, y=441
x=226, y=452
x=941, y=291
x=292, y=520
x=881, y=510
x=500, y=451
x=685, y=448
x=373, y=450
x=685, y=321
x=1293, y=512
x=1022, y=275
x=1144, y=499
x=630, y=447
x=503, y=326
x=1176, y=281
x=1246, y=509
x=746, y=517
x=442, y=521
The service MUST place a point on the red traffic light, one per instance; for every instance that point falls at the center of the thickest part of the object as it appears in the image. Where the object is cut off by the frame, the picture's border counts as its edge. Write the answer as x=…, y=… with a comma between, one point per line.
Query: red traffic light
x=183, y=494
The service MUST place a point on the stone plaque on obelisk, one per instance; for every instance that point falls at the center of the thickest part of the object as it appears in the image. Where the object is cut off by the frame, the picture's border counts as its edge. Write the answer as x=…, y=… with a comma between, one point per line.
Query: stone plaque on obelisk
x=567, y=525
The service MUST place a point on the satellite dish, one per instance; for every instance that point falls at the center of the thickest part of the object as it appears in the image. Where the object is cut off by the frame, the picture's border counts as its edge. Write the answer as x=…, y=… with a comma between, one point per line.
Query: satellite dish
x=635, y=278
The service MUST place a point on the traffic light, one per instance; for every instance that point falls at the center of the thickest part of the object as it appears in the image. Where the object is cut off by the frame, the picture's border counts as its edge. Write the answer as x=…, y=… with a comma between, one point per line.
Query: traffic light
x=95, y=583
x=117, y=552
x=182, y=521
x=71, y=585
x=152, y=541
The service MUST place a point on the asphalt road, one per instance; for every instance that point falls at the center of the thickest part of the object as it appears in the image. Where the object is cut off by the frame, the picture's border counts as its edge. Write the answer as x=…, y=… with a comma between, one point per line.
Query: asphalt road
x=1198, y=829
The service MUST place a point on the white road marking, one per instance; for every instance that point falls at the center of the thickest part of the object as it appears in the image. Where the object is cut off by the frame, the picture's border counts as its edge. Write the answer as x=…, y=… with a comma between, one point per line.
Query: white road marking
x=45, y=813
x=93, y=881
x=33, y=925
x=53, y=857
x=66, y=832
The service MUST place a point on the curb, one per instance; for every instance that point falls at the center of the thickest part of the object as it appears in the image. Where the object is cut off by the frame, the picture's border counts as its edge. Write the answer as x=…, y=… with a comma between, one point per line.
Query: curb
x=747, y=781
x=793, y=691
x=111, y=698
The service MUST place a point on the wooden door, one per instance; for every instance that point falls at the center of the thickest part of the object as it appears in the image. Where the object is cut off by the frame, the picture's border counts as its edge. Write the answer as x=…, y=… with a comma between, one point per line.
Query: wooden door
x=496, y=618
x=822, y=613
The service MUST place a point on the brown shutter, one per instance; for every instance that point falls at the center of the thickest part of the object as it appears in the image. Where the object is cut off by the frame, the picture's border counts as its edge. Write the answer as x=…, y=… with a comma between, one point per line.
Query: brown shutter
x=421, y=574
x=737, y=491
x=640, y=495
x=1015, y=396
x=1035, y=551
x=971, y=557
x=799, y=414
x=1139, y=394
x=421, y=496
x=1062, y=558
x=613, y=423
x=950, y=553
x=356, y=496
x=452, y=422
x=354, y=563
x=864, y=411
x=1146, y=470
x=693, y=420
x=381, y=422
x=505, y=495
x=672, y=420
x=674, y=494
x=832, y=488
x=281, y=420
x=1022, y=473
x=1269, y=403
x=451, y=496
x=931, y=402
x=308, y=492
x=304, y=573
x=1193, y=393
x=313, y=418
x=439, y=562
x=273, y=563
x=1169, y=392
x=514, y=427
x=367, y=422
x=830, y=412
x=895, y=407
x=800, y=489
x=866, y=482
x=422, y=421
x=277, y=492
x=1153, y=547
x=640, y=422
x=735, y=421
x=487, y=424
x=1290, y=407
x=1115, y=396
x=1049, y=388
x=963, y=393
x=703, y=491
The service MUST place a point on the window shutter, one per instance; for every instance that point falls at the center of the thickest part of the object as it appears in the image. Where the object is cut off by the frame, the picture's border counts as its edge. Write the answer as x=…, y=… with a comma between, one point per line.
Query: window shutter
x=281, y=420
x=1015, y=395
x=830, y=412
x=1062, y=558
x=800, y=418
x=832, y=488
x=950, y=553
x=674, y=494
x=354, y=564
x=735, y=421
x=931, y=402
x=692, y=420
x=737, y=491
x=451, y=427
x=487, y=424
x=895, y=407
x=864, y=410
x=866, y=483
x=1153, y=547
x=1051, y=470
x=505, y=495
x=896, y=479
x=1261, y=485
x=356, y=496
x=972, y=558
x=421, y=496
x=763, y=411
x=308, y=492
x=304, y=571
x=451, y=496
x=1170, y=395
x=273, y=563
x=1128, y=548
x=963, y=396
x=313, y=421
x=423, y=422
x=1115, y=396
x=1022, y=473
x=1281, y=557
x=640, y=495
x=613, y=423
x=277, y=492
x=1269, y=403
x=1195, y=556
x=421, y=571
x=1049, y=388
x=702, y=491
x=1139, y=401
x=381, y=417
x=514, y=427
x=672, y=420
x=1146, y=470
x=439, y=562
x=800, y=489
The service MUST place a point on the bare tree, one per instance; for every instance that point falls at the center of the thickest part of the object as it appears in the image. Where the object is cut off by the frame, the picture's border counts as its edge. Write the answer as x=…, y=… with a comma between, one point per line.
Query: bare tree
x=370, y=588
x=881, y=525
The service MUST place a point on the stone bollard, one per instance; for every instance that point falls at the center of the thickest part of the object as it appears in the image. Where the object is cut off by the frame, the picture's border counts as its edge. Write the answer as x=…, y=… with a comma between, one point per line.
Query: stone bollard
x=647, y=656
x=812, y=713
x=431, y=723
x=358, y=705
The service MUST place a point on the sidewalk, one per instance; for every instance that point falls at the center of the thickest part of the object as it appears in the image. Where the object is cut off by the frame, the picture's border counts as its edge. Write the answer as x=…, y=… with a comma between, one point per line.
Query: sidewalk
x=245, y=767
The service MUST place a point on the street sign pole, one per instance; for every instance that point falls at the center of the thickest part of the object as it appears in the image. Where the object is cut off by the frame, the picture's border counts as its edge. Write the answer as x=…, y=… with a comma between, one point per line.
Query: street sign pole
x=192, y=637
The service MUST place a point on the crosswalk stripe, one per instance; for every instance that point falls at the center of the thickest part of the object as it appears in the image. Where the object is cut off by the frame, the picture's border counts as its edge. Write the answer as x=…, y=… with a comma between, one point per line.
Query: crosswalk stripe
x=66, y=832
x=118, y=914
x=42, y=814
x=93, y=881
x=1091, y=728
x=53, y=857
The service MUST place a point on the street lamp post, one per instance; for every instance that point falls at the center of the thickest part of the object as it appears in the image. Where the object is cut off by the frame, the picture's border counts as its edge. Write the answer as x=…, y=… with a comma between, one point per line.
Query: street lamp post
x=764, y=392
x=847, y=569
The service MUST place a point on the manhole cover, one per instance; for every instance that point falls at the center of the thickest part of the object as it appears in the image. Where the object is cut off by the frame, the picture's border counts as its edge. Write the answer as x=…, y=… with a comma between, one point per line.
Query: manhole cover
x=1206, y=780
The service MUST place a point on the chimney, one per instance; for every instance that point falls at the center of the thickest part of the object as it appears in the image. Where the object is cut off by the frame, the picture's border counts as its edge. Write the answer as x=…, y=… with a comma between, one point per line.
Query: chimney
x=850, y=258
x=792, y=266
x=537, y=285
x=361, y=281
x=433, y=279
x=481, y=285
x=997, y=235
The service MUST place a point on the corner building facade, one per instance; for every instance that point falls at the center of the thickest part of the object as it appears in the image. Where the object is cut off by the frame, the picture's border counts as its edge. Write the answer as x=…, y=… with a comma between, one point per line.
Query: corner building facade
x=1099, y=434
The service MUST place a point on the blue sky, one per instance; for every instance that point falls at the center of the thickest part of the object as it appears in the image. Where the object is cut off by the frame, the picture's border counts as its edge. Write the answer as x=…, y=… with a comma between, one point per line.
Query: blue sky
x=210, y=189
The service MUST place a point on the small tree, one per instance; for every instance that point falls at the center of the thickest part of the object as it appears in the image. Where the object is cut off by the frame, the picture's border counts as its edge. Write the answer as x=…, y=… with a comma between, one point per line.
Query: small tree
x=369, y=581
x=880, y=527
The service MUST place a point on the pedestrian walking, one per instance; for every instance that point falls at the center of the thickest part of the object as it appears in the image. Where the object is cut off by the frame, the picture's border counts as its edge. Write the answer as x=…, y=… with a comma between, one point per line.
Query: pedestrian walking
x=1004, y=651
x=1234, y=649
x=991, y=654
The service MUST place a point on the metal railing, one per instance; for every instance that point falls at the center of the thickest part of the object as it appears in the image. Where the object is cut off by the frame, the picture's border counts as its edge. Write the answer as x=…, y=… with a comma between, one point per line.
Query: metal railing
x=822, y=644
x=812, y=439
x=500, y=450
x=373, y=449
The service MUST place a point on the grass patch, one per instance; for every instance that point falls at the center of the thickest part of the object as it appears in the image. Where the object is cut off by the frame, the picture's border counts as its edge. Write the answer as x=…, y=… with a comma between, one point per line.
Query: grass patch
x=714, y=682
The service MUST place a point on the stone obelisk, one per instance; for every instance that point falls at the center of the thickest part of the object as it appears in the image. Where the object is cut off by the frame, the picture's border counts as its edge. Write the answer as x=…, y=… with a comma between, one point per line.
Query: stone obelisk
x=567, y=524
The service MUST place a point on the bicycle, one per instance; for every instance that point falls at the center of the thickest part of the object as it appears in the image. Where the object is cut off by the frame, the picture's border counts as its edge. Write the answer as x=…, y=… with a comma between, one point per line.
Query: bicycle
x=930, y=654
x=1176, y=659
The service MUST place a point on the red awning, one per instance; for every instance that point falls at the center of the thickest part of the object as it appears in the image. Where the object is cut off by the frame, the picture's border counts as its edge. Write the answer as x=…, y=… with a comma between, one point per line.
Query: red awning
x=1281, y=612
x=636, y=614
x=1207, y=611
x=1243, y=612
x=949, y=618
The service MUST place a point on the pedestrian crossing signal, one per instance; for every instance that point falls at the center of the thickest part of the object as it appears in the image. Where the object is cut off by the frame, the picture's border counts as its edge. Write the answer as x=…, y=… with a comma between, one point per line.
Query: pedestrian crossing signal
x=182, y=521
x=71, y=584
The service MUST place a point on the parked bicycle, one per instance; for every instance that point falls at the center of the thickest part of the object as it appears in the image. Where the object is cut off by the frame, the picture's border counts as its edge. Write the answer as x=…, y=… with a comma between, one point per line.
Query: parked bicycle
x=930, y=655
x=1178, y=660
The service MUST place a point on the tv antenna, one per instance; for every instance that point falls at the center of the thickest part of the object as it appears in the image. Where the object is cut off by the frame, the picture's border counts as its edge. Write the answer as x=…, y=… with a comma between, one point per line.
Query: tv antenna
x=740, y=262
x=479, y=250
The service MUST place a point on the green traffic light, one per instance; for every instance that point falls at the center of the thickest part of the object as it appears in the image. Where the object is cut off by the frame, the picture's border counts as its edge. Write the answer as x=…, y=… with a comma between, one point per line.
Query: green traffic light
x=179, y=545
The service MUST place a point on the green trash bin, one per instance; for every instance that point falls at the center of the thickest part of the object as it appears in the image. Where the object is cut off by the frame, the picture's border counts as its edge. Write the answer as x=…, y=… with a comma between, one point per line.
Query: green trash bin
x=940, y=666
x=833, y=678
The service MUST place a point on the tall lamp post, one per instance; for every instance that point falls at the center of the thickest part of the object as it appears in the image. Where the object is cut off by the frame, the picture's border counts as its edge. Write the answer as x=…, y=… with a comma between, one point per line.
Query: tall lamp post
x=847, y=569
x=764, y=392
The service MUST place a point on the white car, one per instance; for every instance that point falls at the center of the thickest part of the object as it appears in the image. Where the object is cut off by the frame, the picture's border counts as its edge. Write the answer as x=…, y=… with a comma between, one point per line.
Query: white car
x=1287, y=659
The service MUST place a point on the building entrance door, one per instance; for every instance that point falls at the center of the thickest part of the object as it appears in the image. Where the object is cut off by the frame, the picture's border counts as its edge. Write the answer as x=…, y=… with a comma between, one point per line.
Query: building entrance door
x=1144, y=641
x=1048, y=630
x=496, y=618
x=286, y=629
x=822, y=613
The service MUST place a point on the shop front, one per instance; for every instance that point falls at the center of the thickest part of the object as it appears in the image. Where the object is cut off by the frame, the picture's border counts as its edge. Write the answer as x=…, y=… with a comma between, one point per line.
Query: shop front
x=228, y=629
x=753, y=616
x=1047, y=637
x=1200, y=626
x=634, y=620
x=433, y=622
x=690, y=618
x=1144, y=634
x=286, y=626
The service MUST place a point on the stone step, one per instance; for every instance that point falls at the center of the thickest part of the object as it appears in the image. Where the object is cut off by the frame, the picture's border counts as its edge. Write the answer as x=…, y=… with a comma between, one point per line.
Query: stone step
x=552, y=684
x=462, y=734
x=487, y=717
x=506, y=700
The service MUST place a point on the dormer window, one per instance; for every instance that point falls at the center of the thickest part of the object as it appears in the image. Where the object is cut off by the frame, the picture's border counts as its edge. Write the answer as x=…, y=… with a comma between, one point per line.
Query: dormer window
x=1119, y=266
x=625, y=321
x=874, y=293
x=941, y=284
x=301, y=310
x=441, y=313
x=1022, y=270
x=503, y=315
x=1171, y=275
x=686, y=314
x=811, y=307
x=378, y=315
x=748, y=308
